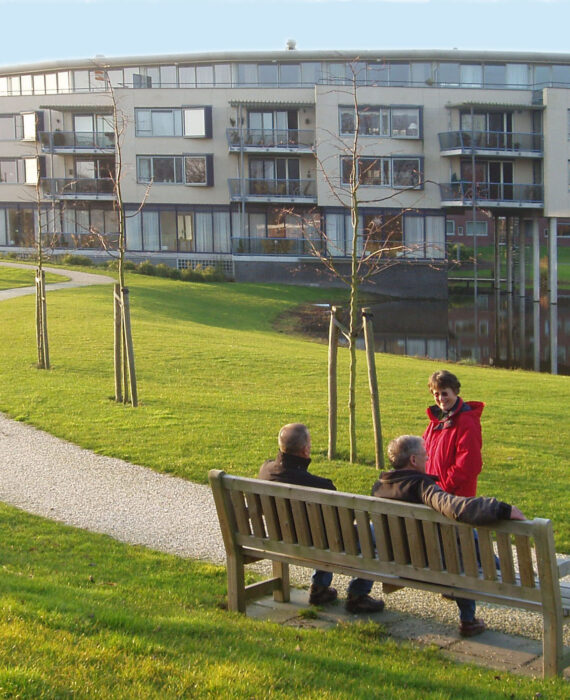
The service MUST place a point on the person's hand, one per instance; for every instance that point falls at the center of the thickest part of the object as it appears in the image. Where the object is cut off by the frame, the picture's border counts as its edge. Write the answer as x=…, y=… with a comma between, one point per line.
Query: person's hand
x=516, y=514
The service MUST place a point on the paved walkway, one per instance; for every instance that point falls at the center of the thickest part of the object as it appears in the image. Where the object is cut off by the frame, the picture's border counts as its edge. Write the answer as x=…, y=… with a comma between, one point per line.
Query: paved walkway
x=76, y=279
x=49, y=477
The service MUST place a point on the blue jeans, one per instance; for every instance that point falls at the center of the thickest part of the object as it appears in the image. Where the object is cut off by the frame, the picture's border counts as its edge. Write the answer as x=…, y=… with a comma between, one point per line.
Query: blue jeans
x=356, y=587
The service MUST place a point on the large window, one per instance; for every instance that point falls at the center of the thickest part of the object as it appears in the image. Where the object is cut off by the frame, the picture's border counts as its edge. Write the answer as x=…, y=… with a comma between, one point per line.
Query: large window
x=192, y=122
x=397, y=122
x=179, y=230
x=10, y=127
x=12, y=170
x=185, y=170
x=384, y=172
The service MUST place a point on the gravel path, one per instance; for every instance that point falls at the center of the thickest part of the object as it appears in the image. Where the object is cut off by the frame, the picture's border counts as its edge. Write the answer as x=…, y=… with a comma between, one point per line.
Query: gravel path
x=50, y=477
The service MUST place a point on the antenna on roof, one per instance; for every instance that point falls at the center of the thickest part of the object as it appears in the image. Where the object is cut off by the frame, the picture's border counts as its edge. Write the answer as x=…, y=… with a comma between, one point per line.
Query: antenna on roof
x=291, y=44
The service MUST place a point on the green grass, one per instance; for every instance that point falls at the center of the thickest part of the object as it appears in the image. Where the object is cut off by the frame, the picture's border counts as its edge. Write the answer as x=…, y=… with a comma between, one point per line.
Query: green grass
x=11, y=277
x=83, y=616
x=216, y=382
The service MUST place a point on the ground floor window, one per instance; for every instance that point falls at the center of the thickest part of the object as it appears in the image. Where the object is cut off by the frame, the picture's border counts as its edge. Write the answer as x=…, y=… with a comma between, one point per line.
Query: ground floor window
x=276, y=230
x=179, y=229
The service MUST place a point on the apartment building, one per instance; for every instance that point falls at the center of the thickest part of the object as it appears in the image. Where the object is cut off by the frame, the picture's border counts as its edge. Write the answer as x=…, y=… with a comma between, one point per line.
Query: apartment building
x=243, y=160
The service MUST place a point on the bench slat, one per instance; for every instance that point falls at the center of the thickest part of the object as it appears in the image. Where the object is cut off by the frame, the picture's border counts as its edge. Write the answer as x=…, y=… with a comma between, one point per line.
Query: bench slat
x=416, y=542
x=317, y=525
x=524, y=557
x=332, y=527
x=506, y=557
x=271, y=517
x=255, y=514
x=431, y=538
x=286, y=520
x=468, y=550
x=346, y=518
x=301, y=523
x=382, y=535
x=364, y=534
x=450, y=550
x=240, y=511
x=488, y=562
x=399, y=539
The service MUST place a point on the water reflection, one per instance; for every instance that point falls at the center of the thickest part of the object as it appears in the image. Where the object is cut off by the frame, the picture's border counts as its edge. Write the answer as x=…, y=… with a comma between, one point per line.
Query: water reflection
x=499, y=329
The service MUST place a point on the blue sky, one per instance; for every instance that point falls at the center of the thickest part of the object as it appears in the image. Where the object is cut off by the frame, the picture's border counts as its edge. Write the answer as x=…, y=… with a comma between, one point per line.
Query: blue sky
x=37, y=30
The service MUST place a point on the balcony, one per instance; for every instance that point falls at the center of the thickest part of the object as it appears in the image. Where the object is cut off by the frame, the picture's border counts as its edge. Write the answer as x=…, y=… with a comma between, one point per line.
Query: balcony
x=256, y=190
x=491, y=143
x=68, y=188
x=491, y=194
x=77, y=142
x=271, y=140
x=277, y=246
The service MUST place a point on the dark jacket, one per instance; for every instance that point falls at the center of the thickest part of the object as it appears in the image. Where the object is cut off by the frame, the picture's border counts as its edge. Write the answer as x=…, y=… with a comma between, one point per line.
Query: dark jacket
x=291, y=469
x=453, y=444
x=414, y=487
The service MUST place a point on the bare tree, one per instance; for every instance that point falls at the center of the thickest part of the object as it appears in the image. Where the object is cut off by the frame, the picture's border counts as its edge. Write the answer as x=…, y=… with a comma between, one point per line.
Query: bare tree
x=371, y=252
x=124, y=358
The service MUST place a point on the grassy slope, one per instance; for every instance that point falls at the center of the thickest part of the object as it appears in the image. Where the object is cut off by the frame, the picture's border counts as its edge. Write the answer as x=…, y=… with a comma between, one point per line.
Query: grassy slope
x=216, y=383
x=83, y=616
x=11, y=277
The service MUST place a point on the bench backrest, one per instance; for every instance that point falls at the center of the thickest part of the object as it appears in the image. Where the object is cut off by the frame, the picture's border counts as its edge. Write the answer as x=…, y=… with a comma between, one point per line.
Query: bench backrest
x=406, y=540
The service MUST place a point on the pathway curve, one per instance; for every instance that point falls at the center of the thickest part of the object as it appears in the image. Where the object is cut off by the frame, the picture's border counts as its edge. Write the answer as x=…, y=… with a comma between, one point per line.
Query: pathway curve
x=76, y=279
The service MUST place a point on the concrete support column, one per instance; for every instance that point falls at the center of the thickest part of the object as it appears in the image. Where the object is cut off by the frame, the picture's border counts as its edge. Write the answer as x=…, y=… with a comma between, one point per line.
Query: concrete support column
x=536, y=293
x=510, y=256
x=522, y=256
x=553, y=292
x=497, y=265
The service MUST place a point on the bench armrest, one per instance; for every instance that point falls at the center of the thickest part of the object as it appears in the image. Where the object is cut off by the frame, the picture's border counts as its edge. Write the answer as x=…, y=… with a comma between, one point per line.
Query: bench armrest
x=563, y=568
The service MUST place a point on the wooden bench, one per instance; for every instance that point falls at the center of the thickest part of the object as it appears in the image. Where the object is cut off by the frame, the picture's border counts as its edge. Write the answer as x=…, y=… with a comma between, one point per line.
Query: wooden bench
x=412, y=546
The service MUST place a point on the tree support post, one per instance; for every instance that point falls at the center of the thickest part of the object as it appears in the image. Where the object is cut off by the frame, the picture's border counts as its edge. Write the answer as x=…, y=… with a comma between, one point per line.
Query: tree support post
x=332, y=383
x=41, y=320
x=373, y=383
x=118, y=342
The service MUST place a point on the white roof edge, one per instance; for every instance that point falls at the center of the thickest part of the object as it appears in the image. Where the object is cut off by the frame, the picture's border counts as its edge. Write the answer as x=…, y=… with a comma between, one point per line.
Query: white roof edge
x=284, y=55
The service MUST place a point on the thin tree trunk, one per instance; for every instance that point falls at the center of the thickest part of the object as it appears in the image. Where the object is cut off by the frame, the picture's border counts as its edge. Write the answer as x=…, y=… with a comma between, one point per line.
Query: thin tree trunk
x=130, y=355
x=117, y=342
x=333, y=403
x=353, y=326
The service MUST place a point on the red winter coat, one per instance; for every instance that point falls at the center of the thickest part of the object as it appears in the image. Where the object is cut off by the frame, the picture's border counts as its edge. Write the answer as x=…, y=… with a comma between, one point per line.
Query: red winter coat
x=453, y=444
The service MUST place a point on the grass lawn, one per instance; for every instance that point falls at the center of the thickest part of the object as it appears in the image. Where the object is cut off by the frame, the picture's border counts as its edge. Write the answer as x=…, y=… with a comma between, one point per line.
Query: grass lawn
x=83, y=616
x=216, y=382
x=11, y=277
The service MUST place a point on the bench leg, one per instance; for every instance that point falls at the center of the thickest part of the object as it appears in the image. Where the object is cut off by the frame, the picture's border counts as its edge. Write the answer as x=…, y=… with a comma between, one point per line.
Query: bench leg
x=552, y=644
x=282, y=594
x=236, y=583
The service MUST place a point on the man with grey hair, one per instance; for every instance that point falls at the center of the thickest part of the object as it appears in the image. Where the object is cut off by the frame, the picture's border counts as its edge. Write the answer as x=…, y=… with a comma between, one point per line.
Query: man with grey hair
x=408, y=482
x=291, y=467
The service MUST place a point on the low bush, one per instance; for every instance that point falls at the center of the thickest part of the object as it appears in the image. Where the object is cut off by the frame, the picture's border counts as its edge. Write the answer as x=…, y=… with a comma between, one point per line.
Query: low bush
x=80, y=260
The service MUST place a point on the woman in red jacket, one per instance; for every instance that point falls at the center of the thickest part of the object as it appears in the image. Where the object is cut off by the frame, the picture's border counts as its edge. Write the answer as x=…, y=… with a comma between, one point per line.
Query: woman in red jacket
x=453, y=436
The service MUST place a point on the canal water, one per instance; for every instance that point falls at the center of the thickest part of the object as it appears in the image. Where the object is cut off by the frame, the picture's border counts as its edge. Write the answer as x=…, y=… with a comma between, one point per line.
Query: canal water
x=498, y=329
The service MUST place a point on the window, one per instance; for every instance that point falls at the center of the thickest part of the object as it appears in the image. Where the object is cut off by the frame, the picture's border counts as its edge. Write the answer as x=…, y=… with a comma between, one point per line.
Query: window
x=290, y=75
x=10, y=127
x=476, y=228
x=449, y=227
x=198, y=122
x=11, y=170
x=188, y=169
x=158, y=122
x=495, y=75
x=397, y=122
x=471, y=75
x=384, y=172
x=448, y=74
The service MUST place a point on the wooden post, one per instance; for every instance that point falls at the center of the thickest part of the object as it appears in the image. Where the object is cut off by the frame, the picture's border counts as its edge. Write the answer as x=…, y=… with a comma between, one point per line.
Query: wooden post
x=117, y=338
x=39, y=334
x=130, y=355
x=45, y=346
x=333, y=400
x=373, y=383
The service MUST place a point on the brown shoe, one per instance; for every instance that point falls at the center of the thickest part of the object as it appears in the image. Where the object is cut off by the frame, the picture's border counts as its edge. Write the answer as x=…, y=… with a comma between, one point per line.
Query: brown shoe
x=472, y=628
x=363, y=604
x=321, y=595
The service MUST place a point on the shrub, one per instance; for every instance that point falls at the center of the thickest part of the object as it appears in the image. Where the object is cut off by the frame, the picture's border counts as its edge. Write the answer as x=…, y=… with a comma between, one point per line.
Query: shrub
x=146, y=268
x=80, y=260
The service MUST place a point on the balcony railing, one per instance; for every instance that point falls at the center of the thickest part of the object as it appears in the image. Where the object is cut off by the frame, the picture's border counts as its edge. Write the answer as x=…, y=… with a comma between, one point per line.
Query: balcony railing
x=263, y=190
x=285, y=139
x=78, y=188
x=491, y=141
x=461, y=193
x=77, y=140
x=277, y=246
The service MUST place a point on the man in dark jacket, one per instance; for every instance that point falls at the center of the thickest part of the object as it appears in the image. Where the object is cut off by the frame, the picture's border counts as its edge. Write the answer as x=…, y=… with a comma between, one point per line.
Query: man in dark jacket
x=408, y=482
x=291, y=467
